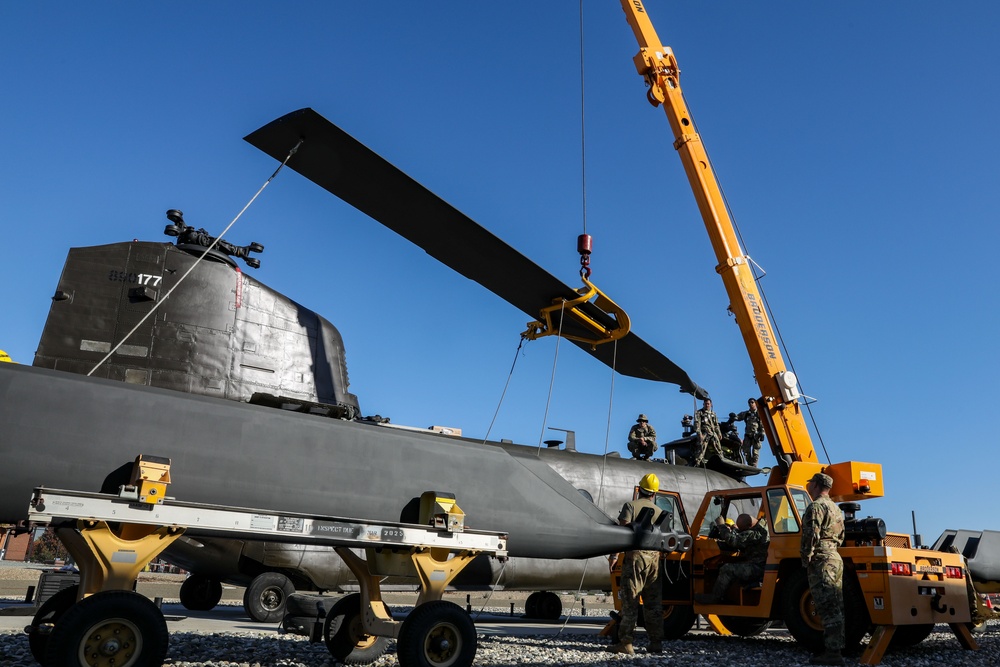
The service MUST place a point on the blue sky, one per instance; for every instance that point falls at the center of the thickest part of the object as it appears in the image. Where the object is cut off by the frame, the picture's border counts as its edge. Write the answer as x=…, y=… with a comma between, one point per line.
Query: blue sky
x=856, y=142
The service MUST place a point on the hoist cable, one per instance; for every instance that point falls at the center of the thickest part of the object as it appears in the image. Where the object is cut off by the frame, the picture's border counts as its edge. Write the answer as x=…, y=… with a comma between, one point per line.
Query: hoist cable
x=504, y=393
x=197, y=261
x=552, y=379
x=583, y=132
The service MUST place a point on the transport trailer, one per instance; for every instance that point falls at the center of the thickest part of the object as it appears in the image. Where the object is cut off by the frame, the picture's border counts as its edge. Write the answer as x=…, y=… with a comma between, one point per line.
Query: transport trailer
x=113, y=537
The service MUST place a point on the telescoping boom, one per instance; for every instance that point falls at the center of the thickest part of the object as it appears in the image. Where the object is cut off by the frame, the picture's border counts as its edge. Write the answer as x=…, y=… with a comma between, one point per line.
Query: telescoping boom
x=781, y=402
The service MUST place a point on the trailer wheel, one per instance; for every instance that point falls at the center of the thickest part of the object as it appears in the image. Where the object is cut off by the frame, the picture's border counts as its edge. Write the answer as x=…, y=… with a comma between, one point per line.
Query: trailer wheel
x=745, y=626
x=805, y=625
x=200, y=593
x=119, y=628
x=677, y=621
x=266, y=595
x=50, y=612
x=437, y=634
x=345, y=637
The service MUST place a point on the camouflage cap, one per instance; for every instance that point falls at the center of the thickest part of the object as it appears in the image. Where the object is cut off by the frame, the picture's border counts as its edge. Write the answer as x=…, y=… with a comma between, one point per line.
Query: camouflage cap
x=642, y=418
x=823, y=480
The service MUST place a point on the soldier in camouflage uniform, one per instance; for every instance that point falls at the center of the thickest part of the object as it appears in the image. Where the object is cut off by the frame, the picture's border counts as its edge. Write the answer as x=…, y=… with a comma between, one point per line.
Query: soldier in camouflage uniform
x=822, y=535
x=706, y=425
x=751, y=540
x=640, y=577
x=642, y=439
x=753, y=434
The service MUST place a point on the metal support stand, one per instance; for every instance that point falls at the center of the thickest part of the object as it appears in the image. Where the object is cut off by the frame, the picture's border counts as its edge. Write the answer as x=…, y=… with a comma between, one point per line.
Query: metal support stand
x=112, y=561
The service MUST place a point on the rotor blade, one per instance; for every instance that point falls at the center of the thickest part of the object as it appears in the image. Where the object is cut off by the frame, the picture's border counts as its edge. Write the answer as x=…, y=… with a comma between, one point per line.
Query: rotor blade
x=340, y=164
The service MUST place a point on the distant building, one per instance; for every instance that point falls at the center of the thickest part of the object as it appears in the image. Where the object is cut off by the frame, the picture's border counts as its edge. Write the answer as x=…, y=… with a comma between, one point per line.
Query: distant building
x=14, y=547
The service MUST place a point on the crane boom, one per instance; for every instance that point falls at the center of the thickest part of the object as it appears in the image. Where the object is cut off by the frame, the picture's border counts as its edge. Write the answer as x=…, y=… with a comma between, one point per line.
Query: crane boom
x=780, y=403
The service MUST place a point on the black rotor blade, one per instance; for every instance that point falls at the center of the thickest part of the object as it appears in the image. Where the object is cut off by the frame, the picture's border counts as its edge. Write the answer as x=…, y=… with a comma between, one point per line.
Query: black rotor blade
x=340, y=164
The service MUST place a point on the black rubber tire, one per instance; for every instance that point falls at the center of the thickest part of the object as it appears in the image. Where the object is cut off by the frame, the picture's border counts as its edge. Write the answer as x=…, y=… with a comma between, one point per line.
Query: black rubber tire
x=200, y=593
x=531, y=605
x=549, y=606
x=677, y=621
x=745, y=626
x=123, y=625
x=907, y=636
x=799, y=613
x=345, y=635
x=264, y=600
x=50, y=612
x=805, y=625
x=437, y=634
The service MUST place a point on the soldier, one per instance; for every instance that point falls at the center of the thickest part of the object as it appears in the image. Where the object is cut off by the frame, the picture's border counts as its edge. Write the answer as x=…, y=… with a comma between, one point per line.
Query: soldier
x=751, y=540
x=731, y=443
x=753, y=434
x=642, y=439
x=822, y=535
x=640, y=577
x=706, y=426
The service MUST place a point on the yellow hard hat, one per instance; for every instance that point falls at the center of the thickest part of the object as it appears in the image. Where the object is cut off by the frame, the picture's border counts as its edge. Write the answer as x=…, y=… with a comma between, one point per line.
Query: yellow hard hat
x=649, y=483
x=730, y=522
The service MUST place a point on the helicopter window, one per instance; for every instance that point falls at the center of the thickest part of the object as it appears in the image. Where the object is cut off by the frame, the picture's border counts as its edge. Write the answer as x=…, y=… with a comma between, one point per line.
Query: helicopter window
x=783, y=515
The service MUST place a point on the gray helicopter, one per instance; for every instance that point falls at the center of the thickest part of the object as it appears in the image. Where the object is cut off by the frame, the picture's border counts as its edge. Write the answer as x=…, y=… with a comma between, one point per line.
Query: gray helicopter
x=234, y=371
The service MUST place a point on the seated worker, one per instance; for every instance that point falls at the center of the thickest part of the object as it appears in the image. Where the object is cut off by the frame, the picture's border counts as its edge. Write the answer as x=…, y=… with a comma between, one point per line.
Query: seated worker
x=751, y=540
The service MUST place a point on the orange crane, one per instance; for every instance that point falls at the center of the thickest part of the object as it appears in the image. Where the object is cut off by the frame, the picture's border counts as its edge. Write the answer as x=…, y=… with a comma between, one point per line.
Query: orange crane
x=781, y=402
x=892, y=590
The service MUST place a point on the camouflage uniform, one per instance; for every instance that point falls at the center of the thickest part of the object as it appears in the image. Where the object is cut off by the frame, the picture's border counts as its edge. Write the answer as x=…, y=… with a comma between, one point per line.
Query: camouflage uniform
x=640, y=576
x=752, y=545
x=642, y=440
x=753, y=435
x=706, y=425
x=822, y=534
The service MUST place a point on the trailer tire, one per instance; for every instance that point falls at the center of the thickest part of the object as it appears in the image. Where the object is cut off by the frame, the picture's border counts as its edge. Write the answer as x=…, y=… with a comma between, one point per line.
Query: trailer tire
x=805, y=625
x=50, y=612
x=264, y=600
x=138, y=629
x=437, y=634
x=200, y=593
x=345, y=637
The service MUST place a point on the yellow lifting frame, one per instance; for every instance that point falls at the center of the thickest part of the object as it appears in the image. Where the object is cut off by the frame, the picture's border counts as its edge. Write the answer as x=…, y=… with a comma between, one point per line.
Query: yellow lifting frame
x=435, y=568
x=110, y=561
x=572, y=308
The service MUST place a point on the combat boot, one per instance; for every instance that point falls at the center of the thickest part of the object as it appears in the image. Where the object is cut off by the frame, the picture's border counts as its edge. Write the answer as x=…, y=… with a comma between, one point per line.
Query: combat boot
x=827, y=658
x=655, y=647
x=622, y=648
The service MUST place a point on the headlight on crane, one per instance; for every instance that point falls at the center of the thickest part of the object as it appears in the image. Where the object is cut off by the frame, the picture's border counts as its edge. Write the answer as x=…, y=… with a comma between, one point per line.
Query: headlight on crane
x=789, y=385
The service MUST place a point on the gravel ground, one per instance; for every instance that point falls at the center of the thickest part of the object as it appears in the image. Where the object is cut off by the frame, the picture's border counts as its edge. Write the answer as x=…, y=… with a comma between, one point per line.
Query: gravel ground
x=256, y=649
x=245, y=649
